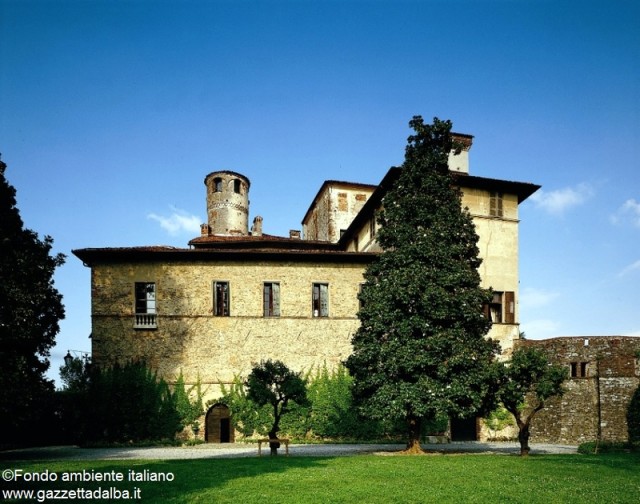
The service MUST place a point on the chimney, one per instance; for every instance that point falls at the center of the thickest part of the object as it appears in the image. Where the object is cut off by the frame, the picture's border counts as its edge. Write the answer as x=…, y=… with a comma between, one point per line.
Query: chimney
x=459, y=163
x=204, y=229
x=294, y=234
x=256, y=228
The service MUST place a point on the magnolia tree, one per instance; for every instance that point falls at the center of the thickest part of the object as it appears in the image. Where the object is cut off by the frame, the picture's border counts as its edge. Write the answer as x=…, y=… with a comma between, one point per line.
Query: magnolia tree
x=421, y=351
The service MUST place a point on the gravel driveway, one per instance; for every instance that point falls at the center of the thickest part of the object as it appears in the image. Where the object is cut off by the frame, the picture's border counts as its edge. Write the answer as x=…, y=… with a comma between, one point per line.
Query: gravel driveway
x=235, y=450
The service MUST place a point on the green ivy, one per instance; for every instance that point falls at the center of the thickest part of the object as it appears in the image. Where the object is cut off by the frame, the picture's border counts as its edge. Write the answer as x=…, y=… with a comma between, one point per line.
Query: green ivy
x=189, y=410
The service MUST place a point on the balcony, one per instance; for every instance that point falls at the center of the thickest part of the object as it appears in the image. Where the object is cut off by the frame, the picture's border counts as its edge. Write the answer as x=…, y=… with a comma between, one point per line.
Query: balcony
x=145, y=321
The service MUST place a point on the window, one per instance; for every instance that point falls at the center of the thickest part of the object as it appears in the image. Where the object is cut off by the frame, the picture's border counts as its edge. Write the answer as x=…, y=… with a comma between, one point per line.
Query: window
x=236, y=186
x=320, y=300
x=271, y=299
x=495, y=204
x=221, y=299
x=360, y=301
x=501, y=309
x=372, y=227
x=217, y=184
x=578, y=370
x=145, y=305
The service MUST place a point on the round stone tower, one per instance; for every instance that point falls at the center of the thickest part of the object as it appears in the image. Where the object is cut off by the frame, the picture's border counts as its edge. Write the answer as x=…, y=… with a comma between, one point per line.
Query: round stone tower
x=227, y=203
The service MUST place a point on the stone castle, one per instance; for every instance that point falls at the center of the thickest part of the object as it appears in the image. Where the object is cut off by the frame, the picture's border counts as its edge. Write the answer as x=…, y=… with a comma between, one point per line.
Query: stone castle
x=236, y=295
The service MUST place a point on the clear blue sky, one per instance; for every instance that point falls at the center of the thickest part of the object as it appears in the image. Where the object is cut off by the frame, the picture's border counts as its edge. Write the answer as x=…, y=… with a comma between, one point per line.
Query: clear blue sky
x=112, y=113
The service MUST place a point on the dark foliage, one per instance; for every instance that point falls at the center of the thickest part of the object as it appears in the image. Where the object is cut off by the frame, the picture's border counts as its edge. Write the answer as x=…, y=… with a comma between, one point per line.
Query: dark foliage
x=273, y=383
x=128, y=403
x=30, y=311
x=526, y=382
x=633, y=418
x=421, y=351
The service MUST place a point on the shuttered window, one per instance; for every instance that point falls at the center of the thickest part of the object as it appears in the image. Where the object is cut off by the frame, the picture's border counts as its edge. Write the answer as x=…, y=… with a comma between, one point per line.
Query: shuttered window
x=271, y=299
x=221, y=299
x=495, y=204
x=320, y=300
x=502, y=309
x=509, y=307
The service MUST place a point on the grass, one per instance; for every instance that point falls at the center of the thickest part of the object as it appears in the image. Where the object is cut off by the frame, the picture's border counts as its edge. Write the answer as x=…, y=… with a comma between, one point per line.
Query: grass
x=610, y=478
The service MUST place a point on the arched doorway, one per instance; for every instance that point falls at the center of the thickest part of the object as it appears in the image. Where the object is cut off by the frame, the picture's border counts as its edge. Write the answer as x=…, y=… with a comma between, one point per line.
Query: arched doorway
x=218, y=428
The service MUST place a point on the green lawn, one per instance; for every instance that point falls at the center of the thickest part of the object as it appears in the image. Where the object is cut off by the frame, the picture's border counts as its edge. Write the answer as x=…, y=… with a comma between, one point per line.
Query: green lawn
x=606, y=478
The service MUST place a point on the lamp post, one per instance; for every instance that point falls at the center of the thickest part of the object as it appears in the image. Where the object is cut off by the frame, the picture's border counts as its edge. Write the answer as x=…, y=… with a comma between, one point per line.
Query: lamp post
x=68, y=359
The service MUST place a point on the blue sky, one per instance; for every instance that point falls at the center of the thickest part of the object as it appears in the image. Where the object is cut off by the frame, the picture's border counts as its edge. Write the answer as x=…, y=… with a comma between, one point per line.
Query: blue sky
x=112, y=113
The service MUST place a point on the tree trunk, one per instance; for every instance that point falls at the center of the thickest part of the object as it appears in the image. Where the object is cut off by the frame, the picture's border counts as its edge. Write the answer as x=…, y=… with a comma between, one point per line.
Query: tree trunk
x=274, y=444
x=523, y=437
x=413, y=444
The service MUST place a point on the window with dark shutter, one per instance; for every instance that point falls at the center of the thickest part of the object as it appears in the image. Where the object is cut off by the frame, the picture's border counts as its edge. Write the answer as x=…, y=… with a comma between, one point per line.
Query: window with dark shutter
x=509, y=307
x=221, y=299
x=271, y=299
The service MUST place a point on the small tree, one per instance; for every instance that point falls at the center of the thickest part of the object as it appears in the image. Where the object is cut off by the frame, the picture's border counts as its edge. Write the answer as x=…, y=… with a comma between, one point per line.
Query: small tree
x=75, y=374
x=528, y=381
x=421, y=352
x=273, y=383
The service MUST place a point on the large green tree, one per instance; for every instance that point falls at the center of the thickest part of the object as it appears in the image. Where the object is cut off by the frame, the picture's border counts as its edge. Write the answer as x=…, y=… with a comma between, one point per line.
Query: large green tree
x=421, y=350
x=30, y=311
x=528, y=380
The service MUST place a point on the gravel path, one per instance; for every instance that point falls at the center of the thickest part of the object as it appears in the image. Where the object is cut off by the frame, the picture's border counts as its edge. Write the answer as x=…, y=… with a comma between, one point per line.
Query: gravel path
x=251, y=450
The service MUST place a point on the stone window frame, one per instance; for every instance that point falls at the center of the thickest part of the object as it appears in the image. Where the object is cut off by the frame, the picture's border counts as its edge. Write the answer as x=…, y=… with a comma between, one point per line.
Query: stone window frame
x=270, y=299
x=320, y=299
x=221, y=306
x=578, y=369
x=217, y=184
x=145, y=305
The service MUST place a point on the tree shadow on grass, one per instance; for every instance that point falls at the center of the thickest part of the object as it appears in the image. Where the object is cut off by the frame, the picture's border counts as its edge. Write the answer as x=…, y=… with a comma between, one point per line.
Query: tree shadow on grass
x=185, y=480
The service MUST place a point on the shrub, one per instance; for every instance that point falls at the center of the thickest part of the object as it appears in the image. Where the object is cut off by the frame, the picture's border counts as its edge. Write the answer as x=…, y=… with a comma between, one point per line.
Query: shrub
x=128, y=404
x=248, y=418
x=498, y=420
x=189, y=410
x=589, y=448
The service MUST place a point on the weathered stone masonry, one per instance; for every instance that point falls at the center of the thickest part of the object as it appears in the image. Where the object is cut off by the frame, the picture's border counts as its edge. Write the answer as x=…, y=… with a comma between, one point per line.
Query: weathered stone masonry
x=604, y=372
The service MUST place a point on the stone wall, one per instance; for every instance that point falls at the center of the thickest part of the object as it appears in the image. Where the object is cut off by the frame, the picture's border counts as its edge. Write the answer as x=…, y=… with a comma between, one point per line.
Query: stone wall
x=606, y=372
x=333, y=210
x=190, y=338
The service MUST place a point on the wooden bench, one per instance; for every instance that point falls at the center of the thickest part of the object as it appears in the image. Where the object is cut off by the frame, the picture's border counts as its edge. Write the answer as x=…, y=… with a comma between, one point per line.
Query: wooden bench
x=267, y=441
